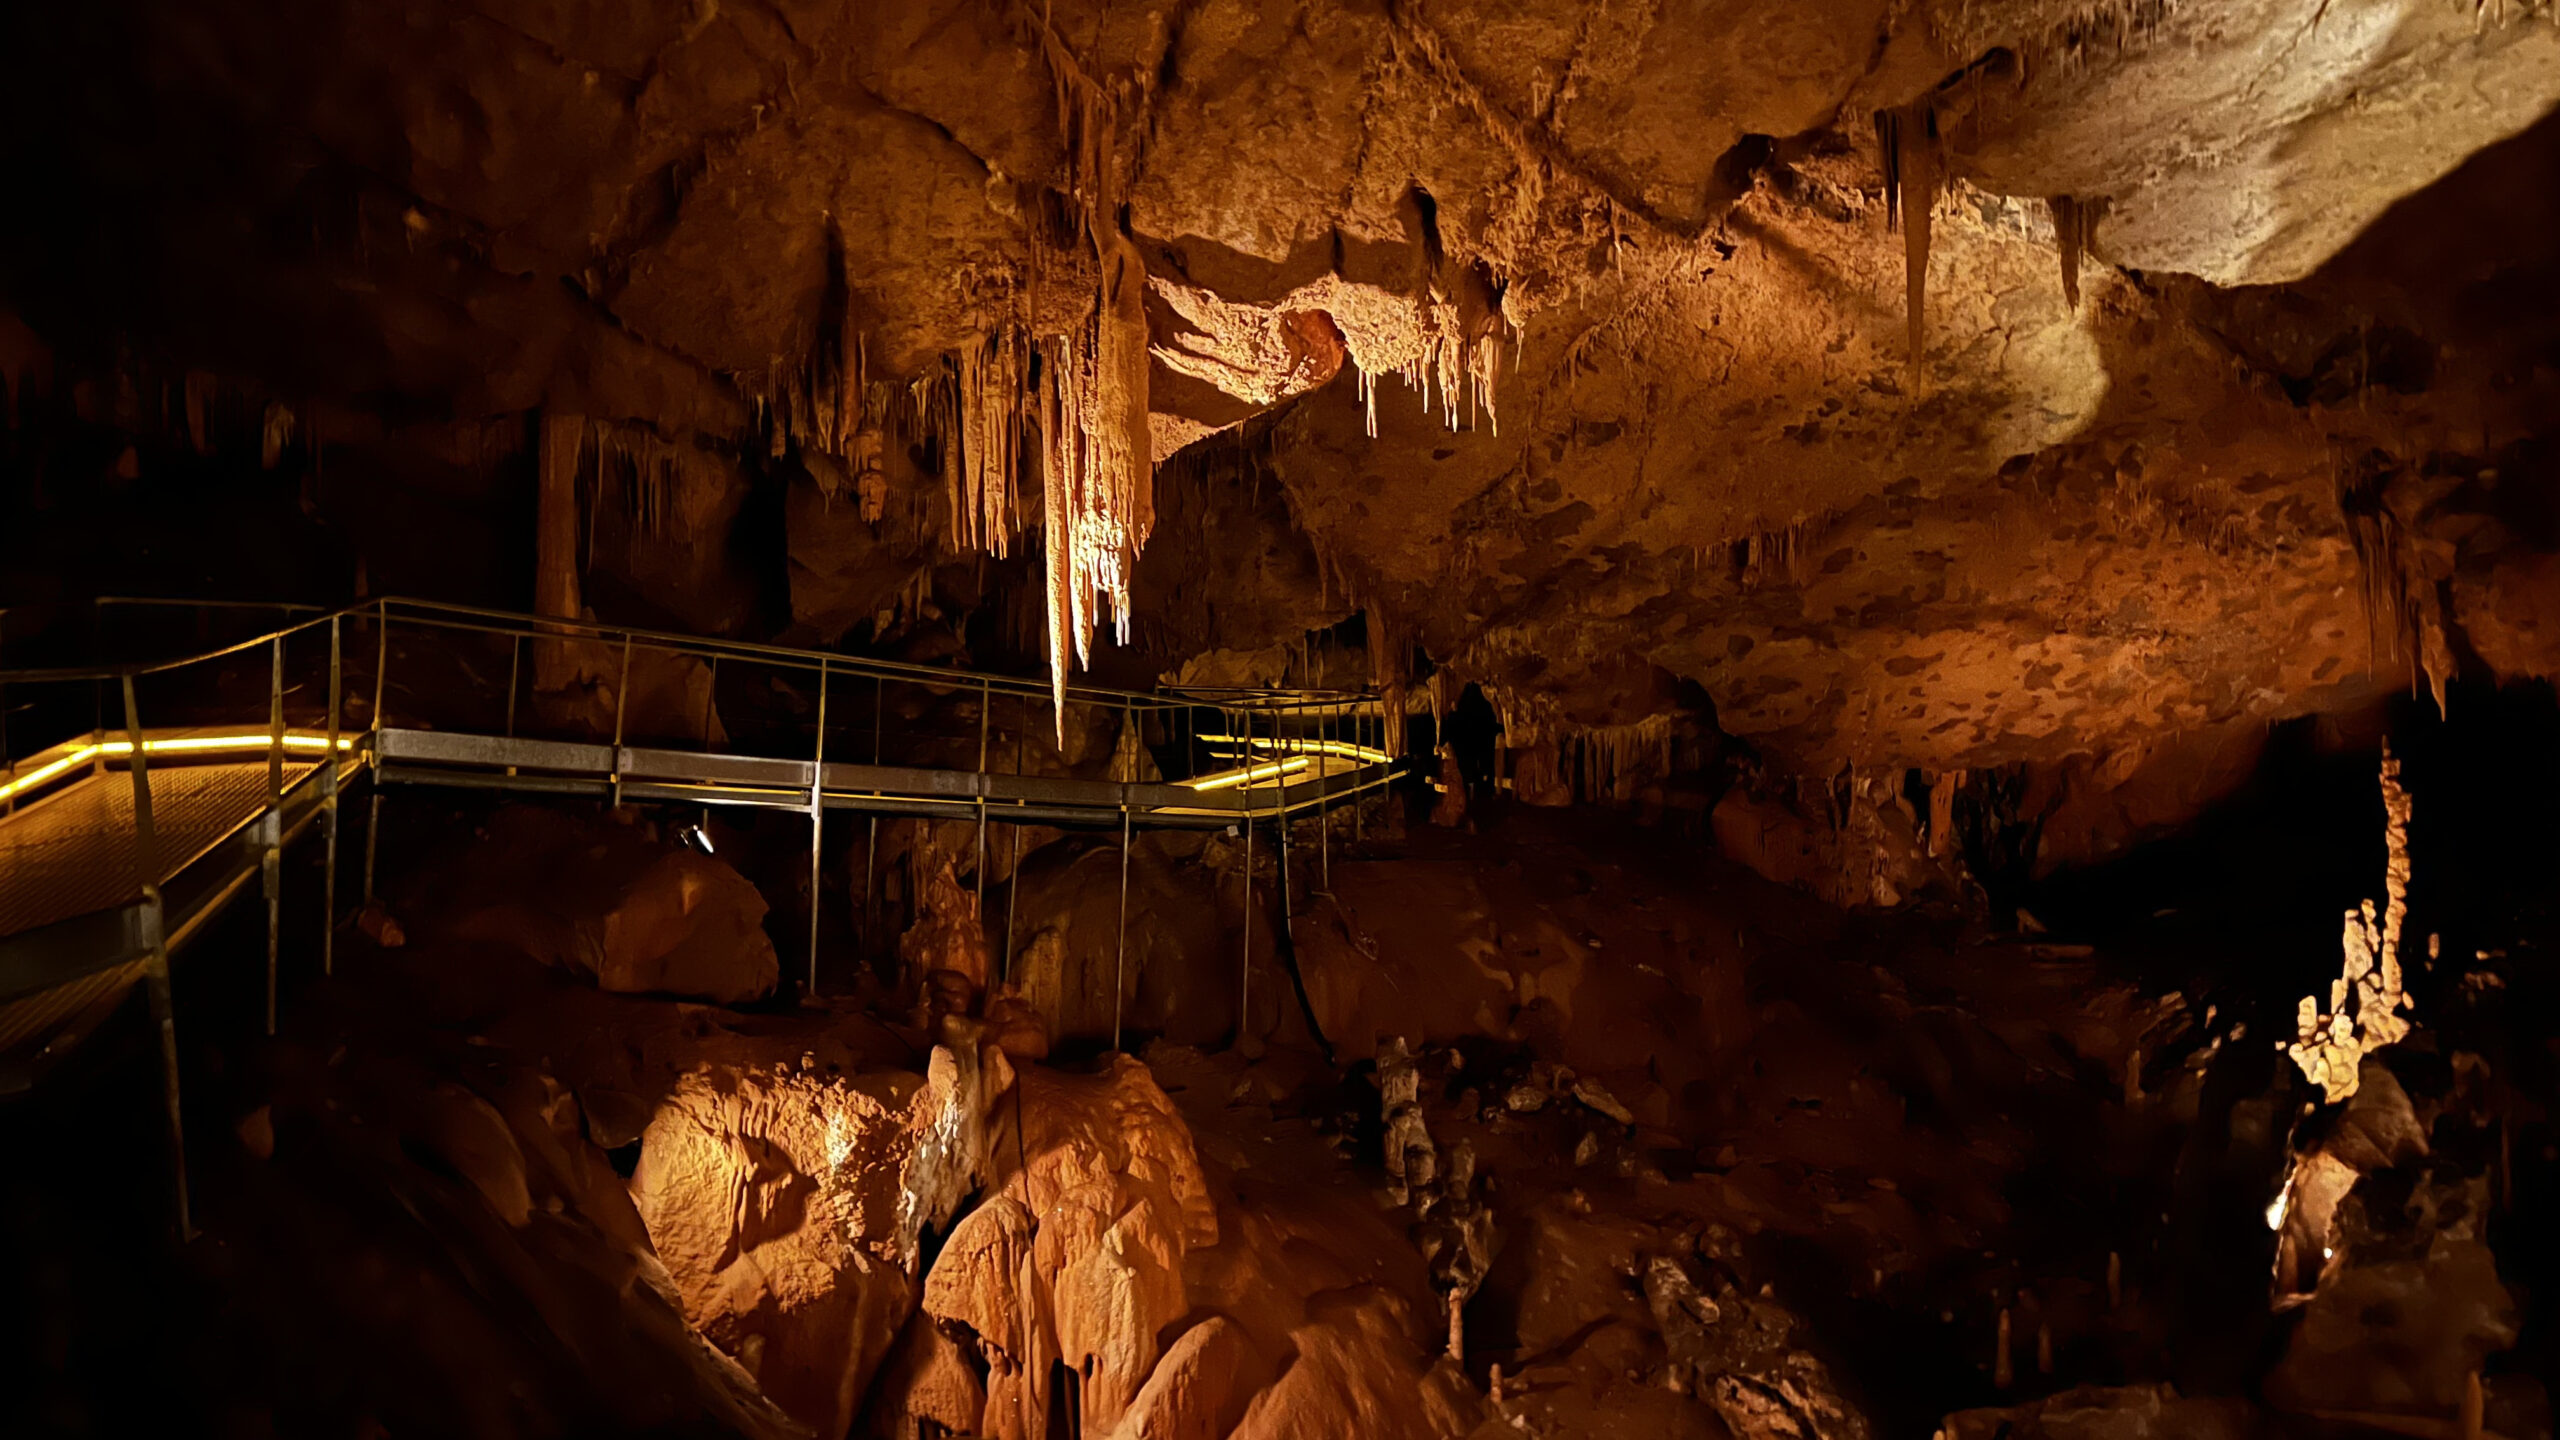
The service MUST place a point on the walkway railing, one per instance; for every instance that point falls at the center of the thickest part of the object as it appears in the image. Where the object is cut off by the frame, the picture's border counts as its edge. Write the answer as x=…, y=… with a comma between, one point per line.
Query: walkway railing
x=232, y=751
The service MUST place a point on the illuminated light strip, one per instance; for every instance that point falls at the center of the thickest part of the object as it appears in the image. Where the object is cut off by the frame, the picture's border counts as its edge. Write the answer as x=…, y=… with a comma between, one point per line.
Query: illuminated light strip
x=182, y=745
x=1342, y=748
x=1254, y=775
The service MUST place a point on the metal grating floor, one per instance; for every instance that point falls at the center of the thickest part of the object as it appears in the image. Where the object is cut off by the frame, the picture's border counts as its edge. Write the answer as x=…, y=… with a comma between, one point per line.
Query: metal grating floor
x=72, y=852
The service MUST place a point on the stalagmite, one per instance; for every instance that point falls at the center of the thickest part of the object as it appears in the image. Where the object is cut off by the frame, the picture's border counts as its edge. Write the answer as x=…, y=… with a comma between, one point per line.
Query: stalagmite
x=2330, y=1046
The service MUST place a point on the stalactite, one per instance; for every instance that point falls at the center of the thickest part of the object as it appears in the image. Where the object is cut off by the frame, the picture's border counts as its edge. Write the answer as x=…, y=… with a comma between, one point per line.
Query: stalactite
x=1098, y=472
x=2403, y=610
x=1908, y=138
x=982, y=476
x=2075, y=222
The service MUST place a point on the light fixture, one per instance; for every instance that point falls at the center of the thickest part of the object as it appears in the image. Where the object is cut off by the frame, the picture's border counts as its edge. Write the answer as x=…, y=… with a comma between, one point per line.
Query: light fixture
x=244, y=743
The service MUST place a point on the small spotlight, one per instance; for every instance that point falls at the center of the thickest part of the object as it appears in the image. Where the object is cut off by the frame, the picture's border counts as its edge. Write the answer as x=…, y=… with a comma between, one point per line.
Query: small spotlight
x=697, y=838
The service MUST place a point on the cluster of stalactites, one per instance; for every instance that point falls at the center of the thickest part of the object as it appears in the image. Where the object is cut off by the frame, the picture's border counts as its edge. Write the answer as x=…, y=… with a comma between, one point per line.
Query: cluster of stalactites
x=1612, y=761
x=981, y=470
x=1098, y=469
x=1913, y=148
x=2366, y=1001
x=1097, y=453
x=1455, y=373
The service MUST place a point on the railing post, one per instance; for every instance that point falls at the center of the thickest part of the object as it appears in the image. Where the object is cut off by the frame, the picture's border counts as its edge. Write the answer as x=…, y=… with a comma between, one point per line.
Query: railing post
x=329, y=811
x=1013, y=851
x=155, y=965
x=1361, y=797
x=871, y=847
x=622, y=706
x=986, y=715
x=1120, y=956
x=817, y=824
x=271, y=861
x=373, y=802
x=1324, y=804
x=1244, y=985
x=515, y=667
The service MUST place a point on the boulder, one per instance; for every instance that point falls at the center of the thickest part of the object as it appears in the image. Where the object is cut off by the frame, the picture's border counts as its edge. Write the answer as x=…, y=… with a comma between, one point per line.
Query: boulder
x=777, y=1198
x=638, y=915
x=1077, y=1254
x=1355, y=1373
x=1199, y=1389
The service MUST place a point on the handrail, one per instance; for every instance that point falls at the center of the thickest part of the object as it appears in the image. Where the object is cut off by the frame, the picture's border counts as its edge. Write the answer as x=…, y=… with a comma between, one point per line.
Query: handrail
x=134, y=669
x=480, y=620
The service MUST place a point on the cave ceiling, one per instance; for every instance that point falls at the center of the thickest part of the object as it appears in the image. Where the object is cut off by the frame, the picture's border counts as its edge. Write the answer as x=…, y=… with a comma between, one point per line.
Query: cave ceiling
x=2283, y=454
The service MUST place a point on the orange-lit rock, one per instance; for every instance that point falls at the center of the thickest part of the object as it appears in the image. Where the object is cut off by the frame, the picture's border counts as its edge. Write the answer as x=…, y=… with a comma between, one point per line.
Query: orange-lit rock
x=1079, y=1257
x=774, y=1195
x=640, y=916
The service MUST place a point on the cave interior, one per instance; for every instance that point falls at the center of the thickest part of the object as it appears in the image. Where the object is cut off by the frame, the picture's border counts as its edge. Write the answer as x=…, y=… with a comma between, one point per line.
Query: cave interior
x=1230, y=719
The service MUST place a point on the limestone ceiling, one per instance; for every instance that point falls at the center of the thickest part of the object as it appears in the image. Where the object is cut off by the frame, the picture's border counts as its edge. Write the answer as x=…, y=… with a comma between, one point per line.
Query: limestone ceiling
x=1715, y=460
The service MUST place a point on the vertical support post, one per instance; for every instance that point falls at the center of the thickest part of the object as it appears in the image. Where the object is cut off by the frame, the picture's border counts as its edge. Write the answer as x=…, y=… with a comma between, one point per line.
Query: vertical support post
x=155, y=965
x=1359, y=798
x=1120, y=957
x=817, y=823
x=1013, y=852
x=329, y=766
x=271, y=858
x=622, y=706
x=986, y=713
x=9, y=781
x=373, y=802
x=381, y=663
x=515, y=670
x=871, y=849
x=1324, y=807
x=1244, y=985
x=275, y=721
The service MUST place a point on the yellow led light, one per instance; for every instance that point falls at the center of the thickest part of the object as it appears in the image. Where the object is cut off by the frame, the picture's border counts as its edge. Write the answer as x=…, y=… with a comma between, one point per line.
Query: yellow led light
x=1342, y=748
x=1254, y=775
x=246, y=742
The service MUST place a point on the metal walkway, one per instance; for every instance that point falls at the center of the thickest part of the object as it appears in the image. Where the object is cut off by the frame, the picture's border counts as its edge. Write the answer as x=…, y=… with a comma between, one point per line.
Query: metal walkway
x=118, y=843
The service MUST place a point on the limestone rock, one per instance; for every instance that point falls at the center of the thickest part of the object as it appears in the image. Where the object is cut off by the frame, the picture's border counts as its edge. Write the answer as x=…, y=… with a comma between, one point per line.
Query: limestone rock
x=1095, y=1197
x=775, y=1197
x=1349, y=1378
x=640, y=916
x=1199, y=1389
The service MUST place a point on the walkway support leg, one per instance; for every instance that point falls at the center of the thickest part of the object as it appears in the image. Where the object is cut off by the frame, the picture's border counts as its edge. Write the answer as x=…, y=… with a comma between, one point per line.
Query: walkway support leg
x=329, y=767
x=1244, y=985
x=817, y=825
x=271, y=862
x=155, y=965
x=1120, y=959
x=986, y=709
